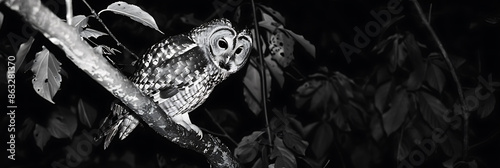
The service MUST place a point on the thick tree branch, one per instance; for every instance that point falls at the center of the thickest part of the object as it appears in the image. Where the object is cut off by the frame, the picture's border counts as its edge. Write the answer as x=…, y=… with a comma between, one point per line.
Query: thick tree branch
x=95, y=65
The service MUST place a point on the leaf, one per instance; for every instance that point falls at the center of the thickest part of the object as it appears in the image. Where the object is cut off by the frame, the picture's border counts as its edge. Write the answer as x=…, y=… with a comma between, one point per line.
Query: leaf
x=22, y=52
x=80, y=22
x=377, y=131
x=88, y=32
x=281, y=47
x=41, y=136
x=47, y=79
x=1, y=19
x=323, y=139
x=283, y=156
x=275, y=70
x=354, y=116
x=275, y=14
x=382, y=45
x=252, y=91
x=435, y=77
x=310, y=48
x=488, y=106
x=248, y=147
x=102, y=49
x=437, y=58
x=381, y=96
x=432, y=110
x=324, y=98
x=86, y=113
x=133, y=12
x=258, y=164
x=397, y=55
x=309, y=87
x=269, y=23
x=27, y=128
x=417, y=75
x=396, y=115
x=340, y=119
x=294, y=141
x=452, y=147
x=62, y=123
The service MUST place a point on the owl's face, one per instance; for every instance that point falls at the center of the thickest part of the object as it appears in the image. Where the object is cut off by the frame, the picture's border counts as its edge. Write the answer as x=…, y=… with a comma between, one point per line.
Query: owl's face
x=226, y=48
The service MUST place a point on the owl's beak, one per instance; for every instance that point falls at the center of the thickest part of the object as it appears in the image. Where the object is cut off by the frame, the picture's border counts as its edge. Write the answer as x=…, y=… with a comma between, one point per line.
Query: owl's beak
x=224, y=65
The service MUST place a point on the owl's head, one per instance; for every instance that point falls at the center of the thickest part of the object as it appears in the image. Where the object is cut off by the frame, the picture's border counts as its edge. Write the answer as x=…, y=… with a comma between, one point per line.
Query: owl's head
x=226, y=48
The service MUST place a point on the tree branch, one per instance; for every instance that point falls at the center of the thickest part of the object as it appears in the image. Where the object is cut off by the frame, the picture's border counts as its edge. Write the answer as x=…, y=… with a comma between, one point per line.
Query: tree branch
x=79, y=52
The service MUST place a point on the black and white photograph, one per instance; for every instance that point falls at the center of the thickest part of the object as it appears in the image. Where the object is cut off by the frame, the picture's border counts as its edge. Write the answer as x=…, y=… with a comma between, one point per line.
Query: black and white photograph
x=249, y=84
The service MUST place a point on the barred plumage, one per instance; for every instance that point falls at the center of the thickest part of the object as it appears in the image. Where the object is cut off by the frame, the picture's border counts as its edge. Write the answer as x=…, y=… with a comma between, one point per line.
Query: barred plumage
x=181, y=71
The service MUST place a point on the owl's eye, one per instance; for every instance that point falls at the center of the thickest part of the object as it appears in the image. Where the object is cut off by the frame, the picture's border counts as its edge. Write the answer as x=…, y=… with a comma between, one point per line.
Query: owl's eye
x=222, y=43
x=238, y=50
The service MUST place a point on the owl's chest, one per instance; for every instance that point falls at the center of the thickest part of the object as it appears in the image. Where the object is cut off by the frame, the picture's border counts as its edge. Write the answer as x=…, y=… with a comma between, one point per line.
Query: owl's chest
x=187, y=98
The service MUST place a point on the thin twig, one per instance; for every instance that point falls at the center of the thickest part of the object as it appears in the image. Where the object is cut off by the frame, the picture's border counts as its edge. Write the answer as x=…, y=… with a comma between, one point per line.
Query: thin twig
x=461, y=98
x=263, y=82
x=109, y=31
x=430, y=14
x=69, y=11
x=486, y=140
x=225, y=134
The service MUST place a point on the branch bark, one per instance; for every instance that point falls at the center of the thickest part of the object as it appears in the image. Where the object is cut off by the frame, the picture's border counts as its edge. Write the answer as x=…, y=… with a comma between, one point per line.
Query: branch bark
x=95, y=65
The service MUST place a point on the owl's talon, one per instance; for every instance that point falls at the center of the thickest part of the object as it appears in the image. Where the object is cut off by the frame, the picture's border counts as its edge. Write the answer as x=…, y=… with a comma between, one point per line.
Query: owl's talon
x=184, y=121
x=128, y=125
x=197, y=130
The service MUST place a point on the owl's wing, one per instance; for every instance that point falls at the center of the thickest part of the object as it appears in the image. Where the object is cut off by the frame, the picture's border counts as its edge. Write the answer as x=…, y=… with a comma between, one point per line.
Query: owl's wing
x=169, y=66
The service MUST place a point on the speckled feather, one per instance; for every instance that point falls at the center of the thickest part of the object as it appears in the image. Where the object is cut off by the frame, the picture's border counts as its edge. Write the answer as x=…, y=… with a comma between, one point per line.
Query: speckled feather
x=180, y=72
x=176, y=75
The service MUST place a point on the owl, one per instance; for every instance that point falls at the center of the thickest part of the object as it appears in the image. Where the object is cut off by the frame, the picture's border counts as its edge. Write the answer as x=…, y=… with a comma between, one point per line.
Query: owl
x=181, y=71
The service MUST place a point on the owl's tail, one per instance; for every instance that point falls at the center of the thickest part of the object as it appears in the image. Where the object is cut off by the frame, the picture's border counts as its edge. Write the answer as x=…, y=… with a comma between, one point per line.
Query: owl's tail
x=119, y=120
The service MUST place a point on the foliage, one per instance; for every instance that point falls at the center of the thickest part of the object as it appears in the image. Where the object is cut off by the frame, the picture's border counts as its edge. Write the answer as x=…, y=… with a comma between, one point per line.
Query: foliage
x=401, y=103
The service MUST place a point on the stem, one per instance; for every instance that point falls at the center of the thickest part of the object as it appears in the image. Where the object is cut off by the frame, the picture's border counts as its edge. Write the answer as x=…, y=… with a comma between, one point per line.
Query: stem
x=69, y=11
x=465, y=113
x=263, y=83
x=109, y=31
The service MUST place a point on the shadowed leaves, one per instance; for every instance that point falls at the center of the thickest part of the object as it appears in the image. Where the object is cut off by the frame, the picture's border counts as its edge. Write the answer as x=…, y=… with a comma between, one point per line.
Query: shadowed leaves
x=432, y=110
x=253, y=89
x=397, y=113
x=435, y=77
x=86, y=113
x=248, y=148
x=41, y=136
x=62, y=123
x=284, y=157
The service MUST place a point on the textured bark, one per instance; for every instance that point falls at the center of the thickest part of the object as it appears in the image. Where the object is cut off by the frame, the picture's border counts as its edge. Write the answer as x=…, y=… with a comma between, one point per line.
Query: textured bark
x=95, y=65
